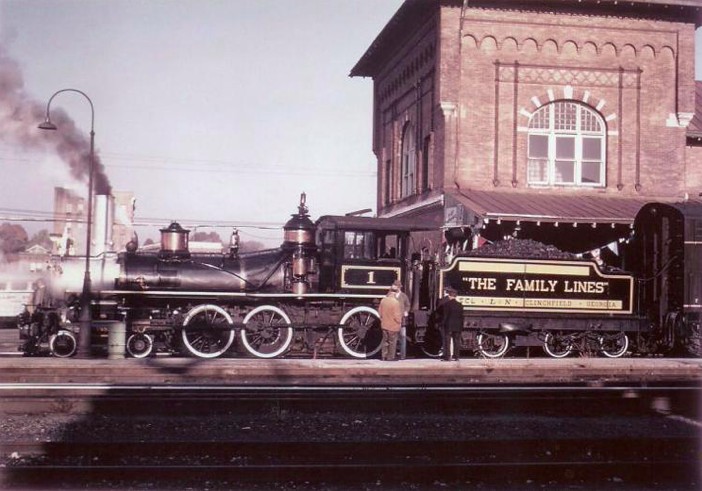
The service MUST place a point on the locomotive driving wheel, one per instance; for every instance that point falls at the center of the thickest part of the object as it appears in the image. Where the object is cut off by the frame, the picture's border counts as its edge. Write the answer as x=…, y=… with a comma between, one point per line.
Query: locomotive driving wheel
x=614, y=345
x=267, y=332
x=207, y=331
x=558, y=344
x=492, y=345
x=63, y=344
x=360, y=335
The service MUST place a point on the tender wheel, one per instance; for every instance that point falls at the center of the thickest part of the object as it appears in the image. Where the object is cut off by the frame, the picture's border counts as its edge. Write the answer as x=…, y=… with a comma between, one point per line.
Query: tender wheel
x=558, y=345
x=433, y=345
x=614, y=345
x=63, y=344
x=140, y=345
x=360, y=334
x=492, y=345
x=267, y=332
x=207, y=331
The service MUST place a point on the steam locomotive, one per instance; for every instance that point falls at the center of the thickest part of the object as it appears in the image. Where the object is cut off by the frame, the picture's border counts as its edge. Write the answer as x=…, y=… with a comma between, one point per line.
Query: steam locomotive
x=318, y=294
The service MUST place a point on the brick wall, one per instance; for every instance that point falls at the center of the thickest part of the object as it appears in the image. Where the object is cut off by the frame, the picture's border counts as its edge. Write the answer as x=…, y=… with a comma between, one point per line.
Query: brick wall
x=469, y=85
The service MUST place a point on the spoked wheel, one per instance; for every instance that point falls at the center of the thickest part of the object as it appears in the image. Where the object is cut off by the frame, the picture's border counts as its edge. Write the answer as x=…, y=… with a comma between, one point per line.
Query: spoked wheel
x=558, y=345
x=140, y=345
x=207, y=331
x=614, y=345
x=433, y=345
x=267, y=332
x=63, y=344
x=492, y=345
x=360, y=334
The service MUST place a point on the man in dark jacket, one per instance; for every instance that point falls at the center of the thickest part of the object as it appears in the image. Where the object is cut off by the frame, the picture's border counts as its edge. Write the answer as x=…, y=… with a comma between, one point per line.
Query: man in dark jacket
x=452, y=324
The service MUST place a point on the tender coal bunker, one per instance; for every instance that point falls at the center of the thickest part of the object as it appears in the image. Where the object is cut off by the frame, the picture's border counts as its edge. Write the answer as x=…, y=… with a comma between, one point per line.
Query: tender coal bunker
x=521, y=248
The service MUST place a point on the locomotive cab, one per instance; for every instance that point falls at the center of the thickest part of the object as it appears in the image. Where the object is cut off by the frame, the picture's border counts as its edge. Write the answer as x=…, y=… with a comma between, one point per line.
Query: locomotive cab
x=361, y=254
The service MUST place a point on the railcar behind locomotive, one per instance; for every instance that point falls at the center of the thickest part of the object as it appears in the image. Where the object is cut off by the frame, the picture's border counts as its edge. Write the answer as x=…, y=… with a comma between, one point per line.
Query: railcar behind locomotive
x=318, y=292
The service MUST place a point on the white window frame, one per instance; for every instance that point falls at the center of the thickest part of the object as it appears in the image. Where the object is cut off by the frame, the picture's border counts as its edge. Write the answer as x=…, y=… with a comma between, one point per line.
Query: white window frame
x=408, y=162
x=578, y=133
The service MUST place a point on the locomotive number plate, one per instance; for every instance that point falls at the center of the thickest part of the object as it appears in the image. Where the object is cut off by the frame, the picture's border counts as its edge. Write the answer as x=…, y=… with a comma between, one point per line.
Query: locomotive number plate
x=369, y=277
x=543, y=286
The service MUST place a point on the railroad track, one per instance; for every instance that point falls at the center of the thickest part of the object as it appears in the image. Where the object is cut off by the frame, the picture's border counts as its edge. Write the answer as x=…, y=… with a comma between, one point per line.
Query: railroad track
x=351, y=463
x=241, y=438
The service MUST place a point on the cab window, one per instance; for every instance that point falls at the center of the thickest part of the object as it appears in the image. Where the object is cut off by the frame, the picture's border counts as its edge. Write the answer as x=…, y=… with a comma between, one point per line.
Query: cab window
x=359, y=245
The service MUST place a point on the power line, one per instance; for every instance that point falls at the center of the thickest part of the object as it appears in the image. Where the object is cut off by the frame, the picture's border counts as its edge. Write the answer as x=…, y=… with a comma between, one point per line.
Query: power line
x=206, y=166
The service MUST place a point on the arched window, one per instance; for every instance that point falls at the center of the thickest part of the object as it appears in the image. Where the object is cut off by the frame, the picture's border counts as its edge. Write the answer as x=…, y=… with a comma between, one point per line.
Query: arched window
x=408, y=164
x=566, y=146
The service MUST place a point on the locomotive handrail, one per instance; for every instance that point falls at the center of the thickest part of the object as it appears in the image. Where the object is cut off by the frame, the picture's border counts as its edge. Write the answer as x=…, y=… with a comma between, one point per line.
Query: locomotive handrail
x=662, y=270
x=232, y=273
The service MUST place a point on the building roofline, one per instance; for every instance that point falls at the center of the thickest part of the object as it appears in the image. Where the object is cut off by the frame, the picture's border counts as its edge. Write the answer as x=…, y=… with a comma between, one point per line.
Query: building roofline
x=414, y=12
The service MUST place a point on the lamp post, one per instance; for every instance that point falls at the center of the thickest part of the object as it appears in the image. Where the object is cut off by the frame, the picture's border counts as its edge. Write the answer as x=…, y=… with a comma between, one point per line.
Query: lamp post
x=85, y=314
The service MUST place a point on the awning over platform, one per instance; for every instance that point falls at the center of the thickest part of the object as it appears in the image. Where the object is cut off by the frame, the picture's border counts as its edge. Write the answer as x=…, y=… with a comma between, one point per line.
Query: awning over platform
x=573, y=208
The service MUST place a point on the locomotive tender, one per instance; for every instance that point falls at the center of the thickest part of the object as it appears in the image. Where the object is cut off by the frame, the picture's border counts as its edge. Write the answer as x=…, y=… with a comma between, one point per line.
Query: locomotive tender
x=319, y=291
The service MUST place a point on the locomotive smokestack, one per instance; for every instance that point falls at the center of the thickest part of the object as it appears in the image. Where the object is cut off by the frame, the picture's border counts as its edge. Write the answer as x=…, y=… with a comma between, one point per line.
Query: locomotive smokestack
x=19, y=114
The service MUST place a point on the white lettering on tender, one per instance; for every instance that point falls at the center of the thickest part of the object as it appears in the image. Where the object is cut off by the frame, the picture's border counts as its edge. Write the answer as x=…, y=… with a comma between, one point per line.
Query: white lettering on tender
x=518, y=285
x=482, y=283
x=584, y=286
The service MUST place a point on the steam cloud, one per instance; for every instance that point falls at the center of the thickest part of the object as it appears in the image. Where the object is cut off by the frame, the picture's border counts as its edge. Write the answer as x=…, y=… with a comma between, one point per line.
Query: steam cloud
x=20, y=115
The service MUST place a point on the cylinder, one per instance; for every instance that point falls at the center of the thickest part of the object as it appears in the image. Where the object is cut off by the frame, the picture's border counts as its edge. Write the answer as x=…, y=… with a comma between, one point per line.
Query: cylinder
x=116, y=340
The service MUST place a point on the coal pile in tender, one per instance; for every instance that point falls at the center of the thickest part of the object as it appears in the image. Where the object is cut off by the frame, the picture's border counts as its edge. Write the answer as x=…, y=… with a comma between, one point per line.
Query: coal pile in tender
x=521, y=248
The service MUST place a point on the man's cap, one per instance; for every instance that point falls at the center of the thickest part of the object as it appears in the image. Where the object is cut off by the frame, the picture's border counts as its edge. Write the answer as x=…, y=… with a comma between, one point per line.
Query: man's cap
x=451, y=291
x=397, y=283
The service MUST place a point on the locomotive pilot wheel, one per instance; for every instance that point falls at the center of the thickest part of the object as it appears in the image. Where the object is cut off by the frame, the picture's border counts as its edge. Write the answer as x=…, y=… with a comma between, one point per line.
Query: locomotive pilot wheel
x=614, y=345
x=360, y=334
x=140, y=345
x=63, y=344
x=206, y=331
x=492, y=345
x=267, y=332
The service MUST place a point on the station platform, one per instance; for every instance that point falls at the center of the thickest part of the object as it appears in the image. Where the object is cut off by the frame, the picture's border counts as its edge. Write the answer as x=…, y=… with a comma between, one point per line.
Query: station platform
x=343, y=371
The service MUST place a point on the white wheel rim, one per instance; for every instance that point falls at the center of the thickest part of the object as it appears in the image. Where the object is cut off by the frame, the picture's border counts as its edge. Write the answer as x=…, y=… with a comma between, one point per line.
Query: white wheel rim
x=54, y=338
x=340, y=332
x=615, y=354
x=191, y=315
x=553, y=354
x=436, y=354
x=498, y=354
x=149, y=342
x=287, y=332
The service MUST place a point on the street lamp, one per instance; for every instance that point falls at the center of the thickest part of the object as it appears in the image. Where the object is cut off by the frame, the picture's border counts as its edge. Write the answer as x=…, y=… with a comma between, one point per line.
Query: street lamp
x=85, y=314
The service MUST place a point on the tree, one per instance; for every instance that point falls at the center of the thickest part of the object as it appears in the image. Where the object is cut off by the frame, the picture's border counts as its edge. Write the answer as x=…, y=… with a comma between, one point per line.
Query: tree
x=206, y=237
x=41, y=238
x=251, y=245
x=13, y=239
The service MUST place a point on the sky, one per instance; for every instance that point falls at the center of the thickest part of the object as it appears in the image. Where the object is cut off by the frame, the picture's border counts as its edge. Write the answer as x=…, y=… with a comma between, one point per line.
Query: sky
x=207, y=110
x=210, y=111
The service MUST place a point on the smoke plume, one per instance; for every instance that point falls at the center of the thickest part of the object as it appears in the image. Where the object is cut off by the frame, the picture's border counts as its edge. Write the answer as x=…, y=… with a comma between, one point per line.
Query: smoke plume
x=20, y=115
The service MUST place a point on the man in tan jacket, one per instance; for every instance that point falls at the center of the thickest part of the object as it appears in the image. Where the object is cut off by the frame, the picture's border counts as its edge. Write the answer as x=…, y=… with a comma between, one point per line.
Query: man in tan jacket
x=390, y=312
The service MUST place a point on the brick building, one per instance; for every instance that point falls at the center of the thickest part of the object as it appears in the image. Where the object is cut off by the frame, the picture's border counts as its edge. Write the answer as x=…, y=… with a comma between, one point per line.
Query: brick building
x=112, y=227
x=546, y=119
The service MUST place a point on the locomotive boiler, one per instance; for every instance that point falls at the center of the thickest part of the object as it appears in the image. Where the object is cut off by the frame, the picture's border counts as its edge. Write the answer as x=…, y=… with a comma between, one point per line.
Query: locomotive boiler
x=317, y=294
